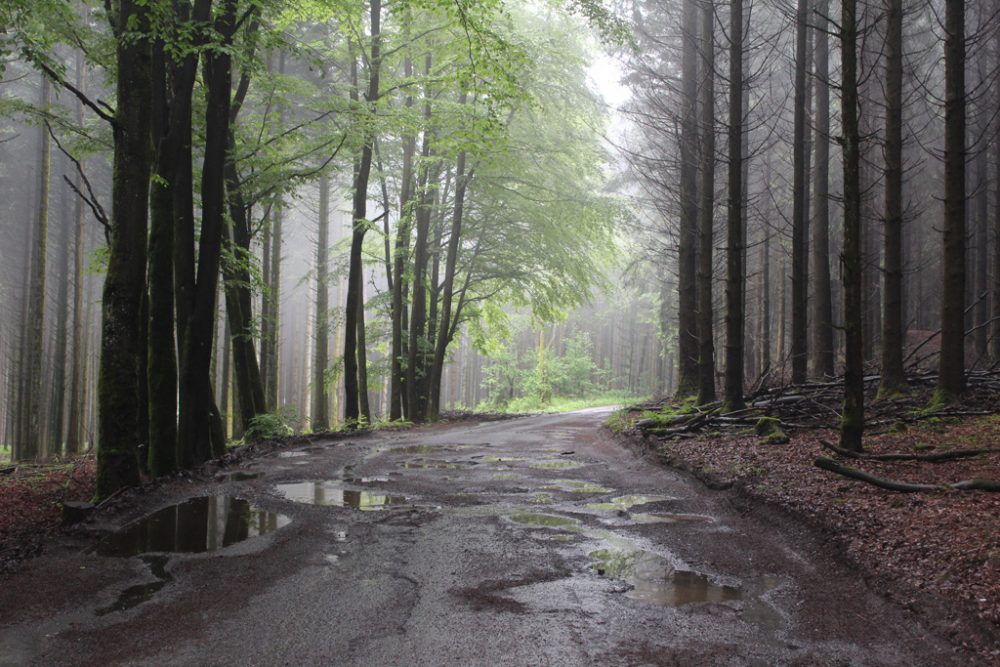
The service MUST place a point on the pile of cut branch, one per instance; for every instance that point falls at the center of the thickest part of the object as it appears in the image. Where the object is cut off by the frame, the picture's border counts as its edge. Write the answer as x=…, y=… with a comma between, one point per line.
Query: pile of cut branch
x=817, y=405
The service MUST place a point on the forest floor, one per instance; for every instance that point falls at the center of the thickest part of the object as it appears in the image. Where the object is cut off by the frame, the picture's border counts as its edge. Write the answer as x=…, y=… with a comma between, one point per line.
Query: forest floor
x=927, y=550
x=32, y=496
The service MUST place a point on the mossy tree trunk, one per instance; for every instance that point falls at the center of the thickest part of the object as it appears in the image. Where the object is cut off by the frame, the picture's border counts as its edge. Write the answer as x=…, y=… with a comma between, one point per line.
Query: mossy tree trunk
x=124, y=284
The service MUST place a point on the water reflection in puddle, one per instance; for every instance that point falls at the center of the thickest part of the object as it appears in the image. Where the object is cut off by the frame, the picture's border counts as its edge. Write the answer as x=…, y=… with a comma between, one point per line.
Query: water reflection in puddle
x=429, y=463
x=643, y=517
x=333, y=493
x=135, y=595
x=549, y=520
x=292, y=455
x=238, y=476
x=198, y=525
x=553, y=465
x=654, y=579
x=577, y=486
x=627, y=502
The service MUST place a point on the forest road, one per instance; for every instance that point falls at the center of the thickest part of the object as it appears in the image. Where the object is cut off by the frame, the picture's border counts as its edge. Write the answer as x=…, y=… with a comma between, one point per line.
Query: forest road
x=533, y=541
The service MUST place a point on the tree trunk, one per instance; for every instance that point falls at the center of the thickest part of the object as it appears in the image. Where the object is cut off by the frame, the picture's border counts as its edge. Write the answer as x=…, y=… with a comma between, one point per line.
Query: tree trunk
x=63, y=322
x=162, y=356
x=32, y=446
x=800, y=191
x=951, y=373
x=124, y=284
x=687, y=299
x=199, y=426
x=893, y=377
x=447, y=331
x=706, y=334
x=77, y=388
x=852, y=424
x=735, y=279
x=352, y=403
x=396, y=389
x=822, y=283
x=320, y=418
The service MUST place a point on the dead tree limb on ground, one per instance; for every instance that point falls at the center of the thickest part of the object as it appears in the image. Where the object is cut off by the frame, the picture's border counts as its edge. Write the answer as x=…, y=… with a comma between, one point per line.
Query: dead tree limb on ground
x=904, y=487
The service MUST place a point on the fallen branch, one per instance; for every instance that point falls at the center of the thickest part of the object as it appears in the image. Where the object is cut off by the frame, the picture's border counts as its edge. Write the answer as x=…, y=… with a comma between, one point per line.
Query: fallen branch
x=936, y=457
x=904, y=487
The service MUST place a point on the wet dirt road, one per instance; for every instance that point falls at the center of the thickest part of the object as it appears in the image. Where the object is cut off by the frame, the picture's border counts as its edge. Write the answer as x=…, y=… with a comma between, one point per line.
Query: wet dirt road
x=536, y=541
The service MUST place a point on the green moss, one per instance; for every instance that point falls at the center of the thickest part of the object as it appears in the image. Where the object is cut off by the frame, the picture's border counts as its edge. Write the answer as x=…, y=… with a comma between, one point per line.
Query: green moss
x=898, y=427
x=770, y=428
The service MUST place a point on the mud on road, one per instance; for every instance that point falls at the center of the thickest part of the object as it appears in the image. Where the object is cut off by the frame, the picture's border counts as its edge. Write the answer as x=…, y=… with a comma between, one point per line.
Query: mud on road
x=536, y=541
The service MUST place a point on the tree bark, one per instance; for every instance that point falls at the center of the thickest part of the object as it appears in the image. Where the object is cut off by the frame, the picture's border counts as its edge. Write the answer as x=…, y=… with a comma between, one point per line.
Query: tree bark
x=124, y=284
x=320, y=418
x=687, y=300
x=352, y=403
x=852, y=423
x=161, y=355
x=447, y=331
x=77, y=388
x=706, y=334
x=951, y=372
x=800, y=191
x=32, y=446
x=199, y=425
x=822, y=283
x=893, y=377
x=735, y=278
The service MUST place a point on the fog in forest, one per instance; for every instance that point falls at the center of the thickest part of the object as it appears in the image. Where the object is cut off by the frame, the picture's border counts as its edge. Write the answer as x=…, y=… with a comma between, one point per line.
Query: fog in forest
x=240, y=220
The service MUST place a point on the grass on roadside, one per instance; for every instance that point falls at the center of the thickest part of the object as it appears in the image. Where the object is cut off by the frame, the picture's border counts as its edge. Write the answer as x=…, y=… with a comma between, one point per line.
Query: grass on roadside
x=565, y=403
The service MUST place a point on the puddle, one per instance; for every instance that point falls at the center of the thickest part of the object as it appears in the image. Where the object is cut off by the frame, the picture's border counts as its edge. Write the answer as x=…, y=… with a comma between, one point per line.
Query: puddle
x=198, y=525
x=547, y=465
x=548, y=520
x=542, y=498
x=501, y=459
x=237, y=476
x=366, y=480
x=292, y=455
x=429, y=463
x=644, y=517
x=135, y=595
x=425, y=449
x=577, y=486
x=333, y=493
x=507, y=476
x=654, y=579
x=623, y=503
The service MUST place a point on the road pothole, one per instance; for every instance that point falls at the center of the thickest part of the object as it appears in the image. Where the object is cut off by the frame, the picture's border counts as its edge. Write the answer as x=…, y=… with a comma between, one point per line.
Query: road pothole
x=624, y=503
x=198, y=525
x=336, y=494
x=547, y=520
x=654, y=579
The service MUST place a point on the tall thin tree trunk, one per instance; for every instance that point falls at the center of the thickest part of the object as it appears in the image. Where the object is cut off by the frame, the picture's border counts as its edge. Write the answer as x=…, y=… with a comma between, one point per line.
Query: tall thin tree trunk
x=124, y=284
x=735, y=278
x=951, y=372
x=162, y=356
x=352, y=401
x=63, y=322
x=822, y=282
x=77, y=388
x=687, y=298
x=320, y=419
x=893, y=378
x=800, y=192
x=852, y=423
x=447, y=331
x=706, y=334
x=32, y=446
